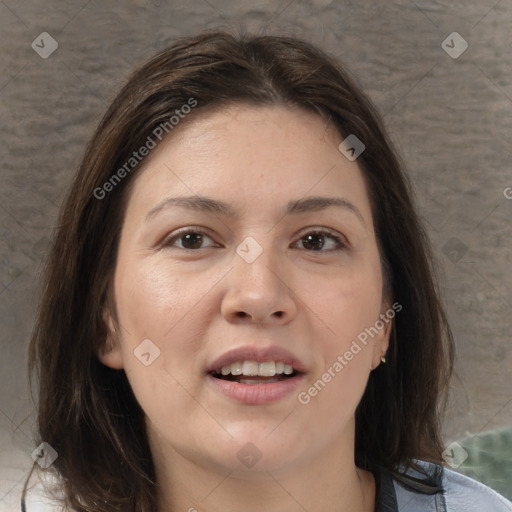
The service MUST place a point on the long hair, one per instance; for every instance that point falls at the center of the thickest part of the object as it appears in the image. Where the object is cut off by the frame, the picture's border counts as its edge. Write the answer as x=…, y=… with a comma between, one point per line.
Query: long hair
x=87, y=411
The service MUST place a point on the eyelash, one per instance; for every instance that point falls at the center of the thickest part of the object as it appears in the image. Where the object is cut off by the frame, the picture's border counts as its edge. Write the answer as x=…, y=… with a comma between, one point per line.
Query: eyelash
x=340, y=241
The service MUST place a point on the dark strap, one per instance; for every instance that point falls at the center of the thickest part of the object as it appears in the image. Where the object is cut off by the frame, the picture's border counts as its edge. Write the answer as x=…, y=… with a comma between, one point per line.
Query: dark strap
x=385, y=495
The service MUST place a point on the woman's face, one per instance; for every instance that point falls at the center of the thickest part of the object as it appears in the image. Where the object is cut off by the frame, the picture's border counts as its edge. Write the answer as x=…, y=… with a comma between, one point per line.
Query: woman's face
x=246, y=275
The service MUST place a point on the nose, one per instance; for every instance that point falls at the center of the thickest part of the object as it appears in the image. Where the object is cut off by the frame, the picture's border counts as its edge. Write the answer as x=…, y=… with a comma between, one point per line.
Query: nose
x=259, y=292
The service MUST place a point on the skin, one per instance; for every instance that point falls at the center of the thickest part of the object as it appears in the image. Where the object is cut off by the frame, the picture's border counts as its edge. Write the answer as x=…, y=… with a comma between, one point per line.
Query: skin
x=195, y=305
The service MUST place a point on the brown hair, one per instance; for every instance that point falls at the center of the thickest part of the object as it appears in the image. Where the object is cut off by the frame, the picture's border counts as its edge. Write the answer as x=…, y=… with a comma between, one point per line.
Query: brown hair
x=87, y=411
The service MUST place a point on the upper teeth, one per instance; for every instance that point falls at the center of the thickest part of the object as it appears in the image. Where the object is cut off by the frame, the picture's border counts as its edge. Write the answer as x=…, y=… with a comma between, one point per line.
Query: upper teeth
x=253, y=368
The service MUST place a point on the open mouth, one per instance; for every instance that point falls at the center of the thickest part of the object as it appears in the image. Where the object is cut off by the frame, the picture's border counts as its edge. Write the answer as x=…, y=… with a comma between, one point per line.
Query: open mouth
x=242, y=379
x=252, y=372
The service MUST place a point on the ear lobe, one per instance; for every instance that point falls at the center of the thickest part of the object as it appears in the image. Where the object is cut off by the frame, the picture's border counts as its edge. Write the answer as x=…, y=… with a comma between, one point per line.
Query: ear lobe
x=110, y=353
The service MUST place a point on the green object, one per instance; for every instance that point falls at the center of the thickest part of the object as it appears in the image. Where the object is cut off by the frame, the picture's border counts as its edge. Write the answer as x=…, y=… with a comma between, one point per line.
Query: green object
x=490, y=459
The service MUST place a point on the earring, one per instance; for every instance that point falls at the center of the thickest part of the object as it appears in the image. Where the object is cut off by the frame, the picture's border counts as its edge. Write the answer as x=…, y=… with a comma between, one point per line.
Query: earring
x=109, y=346
x=383, y=359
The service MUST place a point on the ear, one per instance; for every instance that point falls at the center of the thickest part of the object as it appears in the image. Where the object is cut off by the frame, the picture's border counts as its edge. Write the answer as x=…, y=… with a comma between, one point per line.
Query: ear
x=381, y=340
x=110, y=353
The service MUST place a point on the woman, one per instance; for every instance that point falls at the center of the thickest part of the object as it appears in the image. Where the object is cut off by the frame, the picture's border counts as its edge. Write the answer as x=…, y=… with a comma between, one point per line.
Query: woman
x=239, y=310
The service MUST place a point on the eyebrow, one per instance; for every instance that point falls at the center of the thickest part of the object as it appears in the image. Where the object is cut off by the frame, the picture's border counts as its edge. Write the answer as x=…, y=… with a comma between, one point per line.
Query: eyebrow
x=217, y=207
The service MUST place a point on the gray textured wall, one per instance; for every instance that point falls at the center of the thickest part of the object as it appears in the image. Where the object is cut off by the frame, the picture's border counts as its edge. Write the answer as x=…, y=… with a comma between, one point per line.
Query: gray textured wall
x=450, y=117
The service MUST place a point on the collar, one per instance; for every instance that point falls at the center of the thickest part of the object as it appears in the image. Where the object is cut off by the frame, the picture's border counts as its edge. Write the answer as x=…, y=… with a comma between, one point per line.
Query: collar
x=426, y=480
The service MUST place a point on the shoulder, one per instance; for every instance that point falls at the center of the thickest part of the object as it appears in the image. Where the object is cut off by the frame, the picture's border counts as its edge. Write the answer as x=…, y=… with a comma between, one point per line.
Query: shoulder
x=459, y=494
x=465, y=494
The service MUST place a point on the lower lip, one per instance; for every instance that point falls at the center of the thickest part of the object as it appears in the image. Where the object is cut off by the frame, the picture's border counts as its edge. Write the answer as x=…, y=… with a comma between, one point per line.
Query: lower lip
x=256, y=393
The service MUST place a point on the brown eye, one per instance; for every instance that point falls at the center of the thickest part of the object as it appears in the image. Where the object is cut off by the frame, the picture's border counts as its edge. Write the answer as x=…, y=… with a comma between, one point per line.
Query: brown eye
x=316, y=241
x=190, y=239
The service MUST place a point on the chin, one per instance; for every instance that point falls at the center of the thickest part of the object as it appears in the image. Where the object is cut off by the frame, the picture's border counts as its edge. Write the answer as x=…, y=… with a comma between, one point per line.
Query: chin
x=255, y=451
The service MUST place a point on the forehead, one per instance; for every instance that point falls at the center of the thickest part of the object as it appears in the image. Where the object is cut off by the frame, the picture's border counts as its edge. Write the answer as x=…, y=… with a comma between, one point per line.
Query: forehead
x=250, y=154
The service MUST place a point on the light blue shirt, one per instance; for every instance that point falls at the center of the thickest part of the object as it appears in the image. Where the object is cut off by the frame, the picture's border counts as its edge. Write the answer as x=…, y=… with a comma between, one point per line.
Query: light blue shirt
x=459, y=494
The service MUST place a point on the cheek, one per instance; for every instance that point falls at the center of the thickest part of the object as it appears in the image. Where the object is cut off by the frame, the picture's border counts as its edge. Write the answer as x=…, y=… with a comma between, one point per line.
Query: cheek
x=155, y=300
x=158, y=304
x=351, y=302
x=349, y=306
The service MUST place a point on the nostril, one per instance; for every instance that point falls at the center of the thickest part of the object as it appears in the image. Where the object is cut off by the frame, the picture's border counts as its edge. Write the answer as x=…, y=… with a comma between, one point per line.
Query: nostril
x=243, y=314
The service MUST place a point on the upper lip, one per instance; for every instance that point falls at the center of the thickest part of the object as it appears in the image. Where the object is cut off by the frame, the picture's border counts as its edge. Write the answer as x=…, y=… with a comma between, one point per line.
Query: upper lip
x=258, y=354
